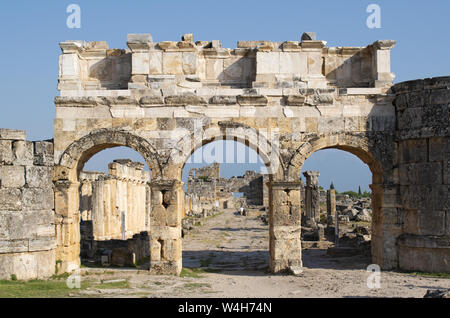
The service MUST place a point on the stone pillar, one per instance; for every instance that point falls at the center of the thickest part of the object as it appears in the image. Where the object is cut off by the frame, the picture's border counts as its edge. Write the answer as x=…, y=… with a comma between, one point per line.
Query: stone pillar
x=148, y=206
x=312, y=198
x=331, y=206
x=165, y=226
x=139, y=45
x=285, y=226
x=382, y=62
x=98, y=211
x=69, y=65
x=313, y=50
x=67, y=223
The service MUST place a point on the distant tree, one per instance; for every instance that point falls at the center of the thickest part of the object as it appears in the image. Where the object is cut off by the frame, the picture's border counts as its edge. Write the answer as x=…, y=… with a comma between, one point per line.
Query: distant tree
x=367, y=194
x=351, y=194
x=359, y=191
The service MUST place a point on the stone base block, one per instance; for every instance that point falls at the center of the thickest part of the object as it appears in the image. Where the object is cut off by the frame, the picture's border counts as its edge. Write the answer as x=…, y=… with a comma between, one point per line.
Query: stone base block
x=424, y=253
x=165, y=267
x=25, y=266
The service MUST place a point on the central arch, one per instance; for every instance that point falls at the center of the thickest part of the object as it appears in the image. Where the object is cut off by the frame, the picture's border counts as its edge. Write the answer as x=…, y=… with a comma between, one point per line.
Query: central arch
x=264, y=146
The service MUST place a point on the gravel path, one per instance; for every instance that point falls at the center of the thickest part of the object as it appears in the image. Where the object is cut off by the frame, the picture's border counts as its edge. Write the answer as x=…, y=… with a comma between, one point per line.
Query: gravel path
x=233, y=249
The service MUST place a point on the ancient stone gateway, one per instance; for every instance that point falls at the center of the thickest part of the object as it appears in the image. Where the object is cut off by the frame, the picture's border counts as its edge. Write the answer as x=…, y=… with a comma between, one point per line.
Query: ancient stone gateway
x=284, y=100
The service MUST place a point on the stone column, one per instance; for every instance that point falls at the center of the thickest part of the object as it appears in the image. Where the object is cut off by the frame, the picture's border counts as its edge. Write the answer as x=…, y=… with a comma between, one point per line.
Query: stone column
x=382, y=63
x=331, y=206
x=313, y=50
x=69, y=65
x=98, y=210
x=67, y=223
x=312, y=198
x=285, y=226
x=148, y=206
x=139, y=45
x=165, y=226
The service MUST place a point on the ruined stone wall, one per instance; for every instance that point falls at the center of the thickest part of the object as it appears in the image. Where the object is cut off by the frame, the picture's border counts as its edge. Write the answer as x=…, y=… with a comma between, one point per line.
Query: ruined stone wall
x=27, y=218
x=423, y=116
x=189, y=64
x=210, y=172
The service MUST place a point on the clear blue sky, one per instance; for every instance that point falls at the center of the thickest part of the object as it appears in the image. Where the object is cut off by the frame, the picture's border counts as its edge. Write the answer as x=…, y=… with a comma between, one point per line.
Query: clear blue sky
x=31, y=30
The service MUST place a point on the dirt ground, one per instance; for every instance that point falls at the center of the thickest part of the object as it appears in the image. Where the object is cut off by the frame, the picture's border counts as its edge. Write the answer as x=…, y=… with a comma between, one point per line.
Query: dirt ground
x=232, y=254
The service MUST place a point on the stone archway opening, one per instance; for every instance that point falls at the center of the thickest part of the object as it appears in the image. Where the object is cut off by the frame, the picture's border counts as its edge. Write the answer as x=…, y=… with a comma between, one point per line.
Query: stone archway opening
x=341, y=207
x=114, y=209
x=69, y=179
x=225, y=221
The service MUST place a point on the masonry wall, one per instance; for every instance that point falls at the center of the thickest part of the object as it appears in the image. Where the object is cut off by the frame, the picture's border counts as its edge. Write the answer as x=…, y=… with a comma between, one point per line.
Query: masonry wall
x=189, y=64
x=423, y=116
x=27, y=219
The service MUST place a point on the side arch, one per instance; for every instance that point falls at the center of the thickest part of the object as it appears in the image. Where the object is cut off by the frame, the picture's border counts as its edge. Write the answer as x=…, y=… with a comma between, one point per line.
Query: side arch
x=357, y=145
x=386, y=220
x=80, y=151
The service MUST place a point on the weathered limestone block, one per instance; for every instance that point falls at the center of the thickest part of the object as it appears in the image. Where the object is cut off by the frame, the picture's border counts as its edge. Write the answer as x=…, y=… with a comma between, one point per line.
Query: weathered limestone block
x=29, y=265
x=223, y=100
x=38, y=198
x=6, y=154
x=12, y=176
x=411, y=151
x=252, y=100
x=14, y=246
x=173, y=63
x=190, y=61
x=295, y=100
x=23, y=152
x=421, y=173
x=147, y=101
x=293, y=63
x=10, y=199
x=155, y=62
x=267, y=63
x=12, y=134
x=184, y=100
x=424, y=253
x=290, y=46
x=37, y=176
x=75, y=101
x=43, y=153
x=140, y=58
